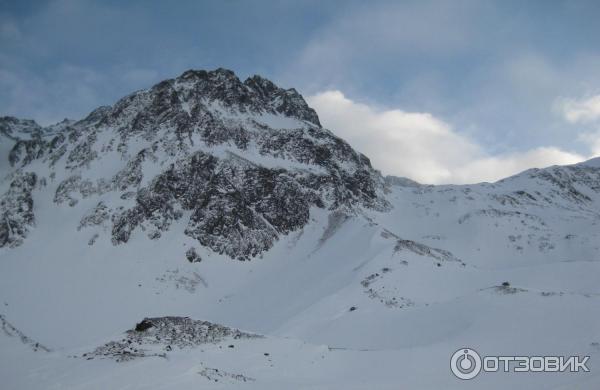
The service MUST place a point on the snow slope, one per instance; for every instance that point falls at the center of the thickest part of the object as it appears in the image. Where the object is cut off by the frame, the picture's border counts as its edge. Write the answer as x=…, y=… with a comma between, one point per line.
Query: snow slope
x=377, y=288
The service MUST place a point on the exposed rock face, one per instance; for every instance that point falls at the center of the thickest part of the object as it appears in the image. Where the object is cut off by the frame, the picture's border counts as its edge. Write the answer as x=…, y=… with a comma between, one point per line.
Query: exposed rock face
x=15, y=128
x=97, y=216
x=288, y=102
x=239, y=163
x=16, y=210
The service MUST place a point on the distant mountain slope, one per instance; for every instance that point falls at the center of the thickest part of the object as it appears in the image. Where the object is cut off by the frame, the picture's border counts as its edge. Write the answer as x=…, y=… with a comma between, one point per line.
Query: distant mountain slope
x=536, y=216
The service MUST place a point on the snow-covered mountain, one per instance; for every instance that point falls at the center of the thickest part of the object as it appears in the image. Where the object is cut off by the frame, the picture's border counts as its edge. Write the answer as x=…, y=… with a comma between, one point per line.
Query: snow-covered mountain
x=351, y=280
x=242, y=163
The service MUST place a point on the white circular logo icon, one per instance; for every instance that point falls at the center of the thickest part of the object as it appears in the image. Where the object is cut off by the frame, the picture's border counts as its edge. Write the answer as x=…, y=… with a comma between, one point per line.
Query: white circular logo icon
x=465, y=363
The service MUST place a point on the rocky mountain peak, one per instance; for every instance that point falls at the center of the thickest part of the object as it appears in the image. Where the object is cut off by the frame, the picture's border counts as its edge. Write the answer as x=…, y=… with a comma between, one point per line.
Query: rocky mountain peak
x=256, y=94
x=199, y=96
x=286, y=101
x=238, y=163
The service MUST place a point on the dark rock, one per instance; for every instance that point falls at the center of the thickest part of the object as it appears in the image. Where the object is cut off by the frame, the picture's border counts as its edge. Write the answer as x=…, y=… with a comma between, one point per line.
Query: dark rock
x=192, y=256
x=145, y=324
x=16, y=210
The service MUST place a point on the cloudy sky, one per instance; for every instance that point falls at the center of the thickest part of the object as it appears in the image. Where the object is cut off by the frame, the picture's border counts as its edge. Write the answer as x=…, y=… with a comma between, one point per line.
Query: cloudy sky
x=439, y=91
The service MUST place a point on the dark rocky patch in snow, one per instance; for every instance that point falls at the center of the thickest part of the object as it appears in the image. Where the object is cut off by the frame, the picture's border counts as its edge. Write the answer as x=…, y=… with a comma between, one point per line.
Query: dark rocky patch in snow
x=181, y=280
x=192, y=256
x=216, y=375
x=424, y=250
x=526, y=218
x=508, y=289
x=386, y=295
x=159, y=335
x=16, y=210
x=96, y=216
x=420, y=249
x=11, y=331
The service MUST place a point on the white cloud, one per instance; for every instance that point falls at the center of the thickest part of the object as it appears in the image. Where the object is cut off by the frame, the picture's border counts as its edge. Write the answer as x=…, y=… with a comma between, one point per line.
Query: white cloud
x=581, y=111
x=422, y=147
